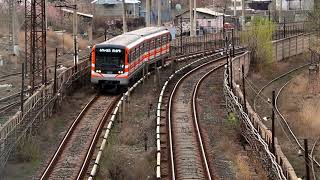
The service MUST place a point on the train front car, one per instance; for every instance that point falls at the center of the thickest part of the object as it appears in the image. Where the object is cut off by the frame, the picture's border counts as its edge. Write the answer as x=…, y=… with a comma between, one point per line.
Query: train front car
x=108, y=67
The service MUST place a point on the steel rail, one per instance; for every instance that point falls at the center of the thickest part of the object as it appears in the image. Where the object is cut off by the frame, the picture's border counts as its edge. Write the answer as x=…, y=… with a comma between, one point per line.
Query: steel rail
x=7, y=107
x=170, y=129
x=164, y=87
x=284, y=121
x=18, y=73
x=66, y=137
x=272, y=81
x=195, y=114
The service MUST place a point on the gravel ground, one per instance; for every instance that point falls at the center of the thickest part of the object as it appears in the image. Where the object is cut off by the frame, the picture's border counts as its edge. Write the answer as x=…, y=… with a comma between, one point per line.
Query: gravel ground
x=229, y=157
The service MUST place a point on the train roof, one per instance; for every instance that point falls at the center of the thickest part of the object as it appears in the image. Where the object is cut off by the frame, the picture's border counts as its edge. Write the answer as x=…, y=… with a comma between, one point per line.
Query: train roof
x=125, y=39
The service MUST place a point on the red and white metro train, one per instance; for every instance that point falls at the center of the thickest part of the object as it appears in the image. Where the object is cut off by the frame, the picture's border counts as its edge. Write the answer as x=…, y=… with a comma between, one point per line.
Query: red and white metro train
x=117, y=61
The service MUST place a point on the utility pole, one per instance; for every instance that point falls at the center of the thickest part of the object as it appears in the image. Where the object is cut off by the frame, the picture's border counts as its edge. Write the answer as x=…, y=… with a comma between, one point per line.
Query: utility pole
x=75, y=33
x=55, y=73
x=191, y=16
x=148, y=11
x=22, y=88
x=223, y=20
x=244, y=90
x=181, y=34
x=159, y=12
x=124, y=17
x=15, y=28
x=242, y=13
x=306, y=158
x=195, y=17
x=273, y=125
x=46, y=13
x=280, y=12
x=234, y=8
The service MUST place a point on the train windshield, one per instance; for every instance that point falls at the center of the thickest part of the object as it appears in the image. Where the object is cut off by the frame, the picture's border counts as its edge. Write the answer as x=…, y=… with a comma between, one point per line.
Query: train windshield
x=110, y=60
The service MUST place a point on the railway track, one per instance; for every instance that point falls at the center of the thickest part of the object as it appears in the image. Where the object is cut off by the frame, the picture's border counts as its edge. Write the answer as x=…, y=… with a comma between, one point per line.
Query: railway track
x=187, y=153
x=287, y=129
x=73, y=156
x=186, y=147
x=257, y=96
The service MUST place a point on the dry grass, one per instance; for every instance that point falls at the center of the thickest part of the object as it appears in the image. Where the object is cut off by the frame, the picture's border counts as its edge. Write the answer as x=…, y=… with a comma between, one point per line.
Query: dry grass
x=244, y=171
x=128, y=135
x=55, y=40
x=301, y=108
x=309, y=115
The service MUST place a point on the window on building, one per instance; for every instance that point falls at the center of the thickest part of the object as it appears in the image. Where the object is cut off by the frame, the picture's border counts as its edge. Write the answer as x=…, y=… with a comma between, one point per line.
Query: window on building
x=209, y=24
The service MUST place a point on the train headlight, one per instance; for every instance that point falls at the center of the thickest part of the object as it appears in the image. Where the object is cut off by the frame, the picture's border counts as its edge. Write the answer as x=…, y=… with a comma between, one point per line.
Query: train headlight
x=120, y=72
x=98, y=71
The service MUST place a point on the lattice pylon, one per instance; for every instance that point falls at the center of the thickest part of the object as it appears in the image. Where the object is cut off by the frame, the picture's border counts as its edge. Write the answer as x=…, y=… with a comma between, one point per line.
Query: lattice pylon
x=35, y=46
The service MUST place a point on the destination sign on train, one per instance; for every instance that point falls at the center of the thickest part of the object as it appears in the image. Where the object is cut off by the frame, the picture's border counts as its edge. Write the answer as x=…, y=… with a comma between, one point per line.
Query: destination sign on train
x=110, y=50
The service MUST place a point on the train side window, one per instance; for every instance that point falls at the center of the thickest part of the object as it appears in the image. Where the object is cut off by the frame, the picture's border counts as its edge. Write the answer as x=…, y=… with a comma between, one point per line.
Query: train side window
x=141, y=49
x=163, y=40
x=134, y=54
x=157, y=42
x=152, y=44
x=129, y=56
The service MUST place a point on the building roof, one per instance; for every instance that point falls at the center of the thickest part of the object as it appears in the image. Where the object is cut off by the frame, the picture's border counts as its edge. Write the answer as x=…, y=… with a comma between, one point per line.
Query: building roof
x=79, y=13
x=206, y=11
x=209, y=11
x=111, y=2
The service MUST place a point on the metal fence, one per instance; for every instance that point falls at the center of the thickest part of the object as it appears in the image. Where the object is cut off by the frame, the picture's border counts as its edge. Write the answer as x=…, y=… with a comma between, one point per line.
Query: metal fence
x=210, y=41
x=187, y=45
x=37, y=109
x=284, y=30
x=252, y=128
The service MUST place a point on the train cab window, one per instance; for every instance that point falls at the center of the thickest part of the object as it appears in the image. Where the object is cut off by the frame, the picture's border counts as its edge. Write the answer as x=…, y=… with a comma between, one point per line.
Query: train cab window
x=110, y=60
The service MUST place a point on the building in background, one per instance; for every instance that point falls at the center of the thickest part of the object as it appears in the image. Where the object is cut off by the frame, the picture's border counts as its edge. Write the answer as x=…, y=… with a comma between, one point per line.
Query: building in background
x=260, y=5
x=113, y=8
x=288, y=5
x=208, y=21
